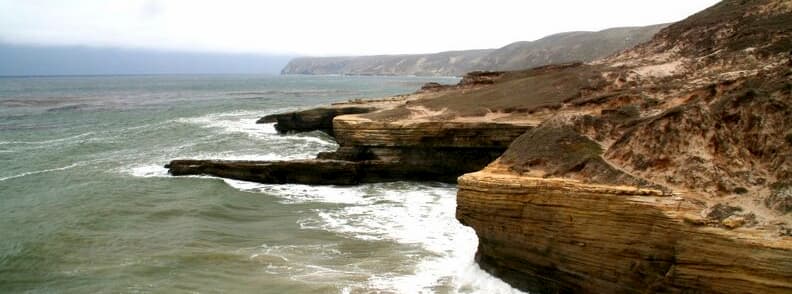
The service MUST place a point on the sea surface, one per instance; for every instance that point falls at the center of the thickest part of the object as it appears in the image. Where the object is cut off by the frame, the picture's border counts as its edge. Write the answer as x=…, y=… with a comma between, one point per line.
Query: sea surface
x=87, y=207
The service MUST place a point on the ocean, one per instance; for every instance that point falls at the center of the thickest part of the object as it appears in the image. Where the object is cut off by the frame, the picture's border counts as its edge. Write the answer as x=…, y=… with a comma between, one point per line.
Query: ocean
x=86, y=205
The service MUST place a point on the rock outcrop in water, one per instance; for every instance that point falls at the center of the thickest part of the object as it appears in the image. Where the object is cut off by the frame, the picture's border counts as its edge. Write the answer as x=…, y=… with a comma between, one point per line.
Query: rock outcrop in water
x=666, y=168
x=558, y=48
x=374, y=151
x=376, y=148
x=316, y=119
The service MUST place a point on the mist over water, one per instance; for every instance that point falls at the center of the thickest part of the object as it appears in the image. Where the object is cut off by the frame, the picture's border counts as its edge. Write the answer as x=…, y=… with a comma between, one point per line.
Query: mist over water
x=86, y=206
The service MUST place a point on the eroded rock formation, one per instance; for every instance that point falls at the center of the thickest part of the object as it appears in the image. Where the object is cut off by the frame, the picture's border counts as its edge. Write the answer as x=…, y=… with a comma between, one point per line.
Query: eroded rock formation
x=670, y=170
x=558, y=235
x=372, y=151
x=315, y=119
x=665, y=168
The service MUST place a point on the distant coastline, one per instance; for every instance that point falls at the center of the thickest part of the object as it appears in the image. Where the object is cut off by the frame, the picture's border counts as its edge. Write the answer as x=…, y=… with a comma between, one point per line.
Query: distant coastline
x=557, y=48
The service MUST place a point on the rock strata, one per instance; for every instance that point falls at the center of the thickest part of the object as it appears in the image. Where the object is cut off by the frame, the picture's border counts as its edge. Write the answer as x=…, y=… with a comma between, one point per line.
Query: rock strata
x=309, y=172
x=557, y=235
x=668, y=171
x=371, y=151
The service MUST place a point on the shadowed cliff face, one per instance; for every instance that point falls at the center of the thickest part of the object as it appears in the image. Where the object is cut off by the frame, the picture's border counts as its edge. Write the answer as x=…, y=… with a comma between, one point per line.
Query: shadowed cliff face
x=558, y=48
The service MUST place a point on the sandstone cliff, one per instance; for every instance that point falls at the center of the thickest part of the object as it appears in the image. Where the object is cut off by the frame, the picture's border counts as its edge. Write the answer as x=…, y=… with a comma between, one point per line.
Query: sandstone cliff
x=673, y=173
x=558, y=48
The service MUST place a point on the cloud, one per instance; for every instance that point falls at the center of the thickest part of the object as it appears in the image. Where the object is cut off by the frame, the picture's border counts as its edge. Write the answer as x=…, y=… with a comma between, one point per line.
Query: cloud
x=319, y=27
x=150, y=9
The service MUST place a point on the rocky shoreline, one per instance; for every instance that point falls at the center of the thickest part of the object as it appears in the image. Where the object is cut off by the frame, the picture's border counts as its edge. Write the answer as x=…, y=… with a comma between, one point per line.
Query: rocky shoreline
x=370, y=151
x=665, y=168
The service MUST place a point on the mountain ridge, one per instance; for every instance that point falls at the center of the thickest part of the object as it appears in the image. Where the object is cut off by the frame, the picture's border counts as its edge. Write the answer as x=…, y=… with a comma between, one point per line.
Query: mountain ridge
x=556, y=48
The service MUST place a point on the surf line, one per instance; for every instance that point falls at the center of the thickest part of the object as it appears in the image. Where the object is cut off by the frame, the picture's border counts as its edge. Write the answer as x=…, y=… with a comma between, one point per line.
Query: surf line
x=39, y=172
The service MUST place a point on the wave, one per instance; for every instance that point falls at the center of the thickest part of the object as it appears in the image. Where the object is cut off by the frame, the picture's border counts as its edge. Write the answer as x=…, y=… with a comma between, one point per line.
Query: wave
x=406, y=213
x=46, y=141
x=295, y=193
x=416, y=214
x=74, y=107
x=244, y=122
x=409, y=215
x=149, y=171
x=233, y=122
x=39, y=172
x=292, y=92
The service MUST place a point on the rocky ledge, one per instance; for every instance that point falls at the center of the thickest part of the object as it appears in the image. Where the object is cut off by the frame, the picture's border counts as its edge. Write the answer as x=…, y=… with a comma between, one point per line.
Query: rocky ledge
x=372, y=151
x=379, y=141
x=319, y=119
x=551, y=235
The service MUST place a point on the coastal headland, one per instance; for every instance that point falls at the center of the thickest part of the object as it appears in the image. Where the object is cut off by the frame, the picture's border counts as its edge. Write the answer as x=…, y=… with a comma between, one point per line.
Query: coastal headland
x=664, y=168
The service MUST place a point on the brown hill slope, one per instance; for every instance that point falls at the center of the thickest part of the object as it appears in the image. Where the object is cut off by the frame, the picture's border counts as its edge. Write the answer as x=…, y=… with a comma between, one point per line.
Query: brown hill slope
x=558, y=48
x=717, y=83
x=667, y=170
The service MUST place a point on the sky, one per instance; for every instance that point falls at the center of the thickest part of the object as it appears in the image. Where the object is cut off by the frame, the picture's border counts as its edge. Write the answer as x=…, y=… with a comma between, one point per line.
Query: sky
x=318, y=28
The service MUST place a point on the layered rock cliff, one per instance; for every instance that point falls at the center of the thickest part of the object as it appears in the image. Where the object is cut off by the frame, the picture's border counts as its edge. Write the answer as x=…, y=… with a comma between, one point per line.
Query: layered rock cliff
x=551, y=235
x=668, y=173
x=558, y=48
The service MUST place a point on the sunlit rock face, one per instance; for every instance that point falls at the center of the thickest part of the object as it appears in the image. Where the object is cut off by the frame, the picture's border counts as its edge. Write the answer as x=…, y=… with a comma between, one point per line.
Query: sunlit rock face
x=558, y=235
x=667, y=175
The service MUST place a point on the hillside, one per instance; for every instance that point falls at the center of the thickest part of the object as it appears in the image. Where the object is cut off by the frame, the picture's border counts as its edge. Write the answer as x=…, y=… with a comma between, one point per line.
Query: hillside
x=558, y=48
x=438, y=64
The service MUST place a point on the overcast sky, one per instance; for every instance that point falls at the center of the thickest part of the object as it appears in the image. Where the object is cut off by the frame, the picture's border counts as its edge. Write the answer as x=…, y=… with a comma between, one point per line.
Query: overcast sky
x=319, y=27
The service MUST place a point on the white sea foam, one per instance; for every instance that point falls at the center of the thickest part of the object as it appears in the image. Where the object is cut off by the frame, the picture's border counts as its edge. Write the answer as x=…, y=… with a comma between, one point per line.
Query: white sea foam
x=149, y=171
x=405, y=213
x=233, y=122
x=422, y=216
x=243, y=156
x=244, y=122
x=39, y=172
x=294, y=193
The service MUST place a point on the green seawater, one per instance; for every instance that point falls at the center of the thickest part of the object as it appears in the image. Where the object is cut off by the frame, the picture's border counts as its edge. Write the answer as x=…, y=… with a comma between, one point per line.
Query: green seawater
x=86, y=206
